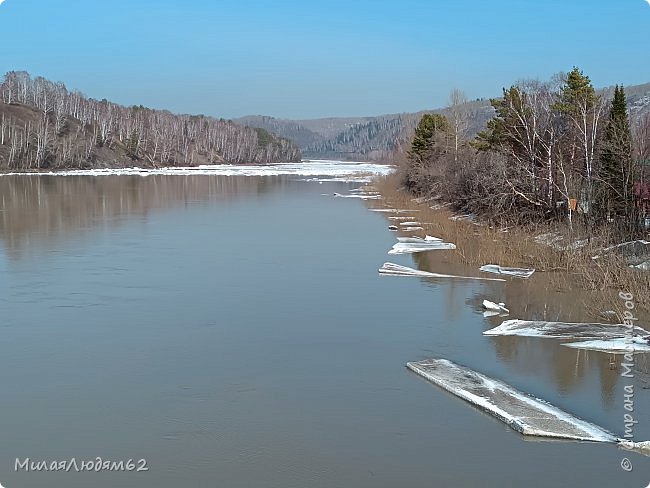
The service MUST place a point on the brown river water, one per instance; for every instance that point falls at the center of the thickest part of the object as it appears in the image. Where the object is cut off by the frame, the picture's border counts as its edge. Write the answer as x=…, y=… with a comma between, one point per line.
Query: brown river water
x=233, y=331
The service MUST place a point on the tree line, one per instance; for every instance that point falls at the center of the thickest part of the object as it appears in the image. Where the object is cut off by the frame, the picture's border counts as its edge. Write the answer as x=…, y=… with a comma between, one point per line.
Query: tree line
x=555, y=150
x=45, y=125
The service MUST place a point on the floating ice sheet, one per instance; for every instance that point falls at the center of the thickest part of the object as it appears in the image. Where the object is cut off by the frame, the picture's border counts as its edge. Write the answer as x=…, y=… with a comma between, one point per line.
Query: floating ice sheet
x=517, y=272
x=336, y=169
x=399, y=270
x=409, y=223
x=412, y=229
x=411, y=247
x=562, y=330
x=361, y=196
x=521, y=412
x=426, y=239
x=496, y=307
x=637, y=344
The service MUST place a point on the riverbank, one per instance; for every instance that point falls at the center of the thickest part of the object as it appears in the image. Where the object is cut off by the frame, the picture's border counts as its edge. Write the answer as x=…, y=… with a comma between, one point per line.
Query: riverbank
x=565, y=260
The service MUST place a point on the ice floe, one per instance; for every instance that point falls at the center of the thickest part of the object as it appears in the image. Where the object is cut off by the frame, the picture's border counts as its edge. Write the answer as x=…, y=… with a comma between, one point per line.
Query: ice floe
x=563, y=330
x=495, y=307
x=409, y=223
x=523, y=413
x=517, y=272
x=635, y=344
x=336, y=170
x=361, y=196
x=412, y=229
x=400, y=218
x=399, y=270
x=411, y=247
x=426, y=239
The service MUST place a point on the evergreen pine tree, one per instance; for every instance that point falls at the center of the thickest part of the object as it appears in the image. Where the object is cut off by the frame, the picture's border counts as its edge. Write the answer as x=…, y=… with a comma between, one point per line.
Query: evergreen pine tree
x=616, y=170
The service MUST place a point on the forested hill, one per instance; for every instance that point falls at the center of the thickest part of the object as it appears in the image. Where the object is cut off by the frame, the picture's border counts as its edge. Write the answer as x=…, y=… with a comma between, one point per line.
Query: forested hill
x=376, y=138
x=360, y=138
x=44, y=125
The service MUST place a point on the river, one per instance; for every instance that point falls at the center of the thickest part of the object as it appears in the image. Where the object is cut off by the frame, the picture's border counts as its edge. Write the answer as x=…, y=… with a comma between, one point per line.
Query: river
x=233, y=331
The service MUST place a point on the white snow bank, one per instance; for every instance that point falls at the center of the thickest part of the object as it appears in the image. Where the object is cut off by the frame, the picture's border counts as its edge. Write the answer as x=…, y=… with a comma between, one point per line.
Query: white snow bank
x=562, y=330
x=635, y=344
x=521, y=412
x=517, y=272
x=412, y=229
x=411, y=247
x=399, y=270
x=338, y=169
x=496, y=307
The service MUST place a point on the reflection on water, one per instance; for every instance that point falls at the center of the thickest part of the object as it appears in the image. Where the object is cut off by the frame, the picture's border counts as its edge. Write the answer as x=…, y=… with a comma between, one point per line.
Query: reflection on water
x=539, y=298
x=36, y=210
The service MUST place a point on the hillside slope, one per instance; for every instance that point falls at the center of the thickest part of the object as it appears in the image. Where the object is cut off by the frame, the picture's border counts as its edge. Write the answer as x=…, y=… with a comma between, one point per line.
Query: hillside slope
x=43, y=125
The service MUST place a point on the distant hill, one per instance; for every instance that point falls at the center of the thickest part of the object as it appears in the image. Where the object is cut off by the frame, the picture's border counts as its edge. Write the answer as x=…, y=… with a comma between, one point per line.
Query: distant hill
x=376, y=138
x=44, y=125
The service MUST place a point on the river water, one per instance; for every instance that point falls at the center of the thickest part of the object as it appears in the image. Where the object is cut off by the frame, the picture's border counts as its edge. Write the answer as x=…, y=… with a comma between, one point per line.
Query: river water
x=233, y=331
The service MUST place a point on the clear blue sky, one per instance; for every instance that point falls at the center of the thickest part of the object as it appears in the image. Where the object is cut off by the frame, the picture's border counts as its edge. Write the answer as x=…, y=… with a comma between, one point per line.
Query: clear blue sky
x=309, y=58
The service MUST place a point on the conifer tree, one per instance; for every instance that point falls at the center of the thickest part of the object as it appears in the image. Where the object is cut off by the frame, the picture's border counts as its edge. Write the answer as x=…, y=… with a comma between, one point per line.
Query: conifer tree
x=616, y=162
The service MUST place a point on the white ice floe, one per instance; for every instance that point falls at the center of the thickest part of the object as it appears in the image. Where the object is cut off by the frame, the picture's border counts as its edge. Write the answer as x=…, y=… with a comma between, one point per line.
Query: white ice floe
x=523, y=413
x=337, y=170
x=517, y=272
x=495, y=307
x=412, y=229
x=634, y=344
x=409, y=223
x=411, y=247
x=400, y=218
x=563, y=330
x=419, y=239
x=399, y=270
x=359, y=196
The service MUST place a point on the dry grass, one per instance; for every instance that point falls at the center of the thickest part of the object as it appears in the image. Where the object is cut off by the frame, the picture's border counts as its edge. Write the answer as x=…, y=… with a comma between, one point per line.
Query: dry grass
x=516, y=246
